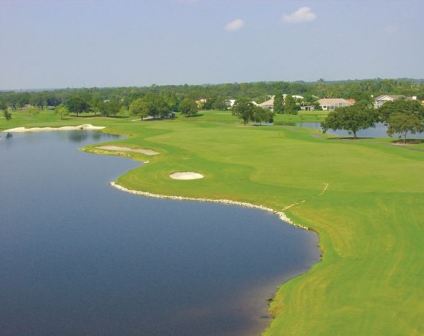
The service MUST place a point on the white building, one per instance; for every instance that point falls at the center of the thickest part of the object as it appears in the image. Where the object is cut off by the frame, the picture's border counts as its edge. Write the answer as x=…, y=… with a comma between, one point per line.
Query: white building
x=380, y=100
x=295, y=97
x=230, y=103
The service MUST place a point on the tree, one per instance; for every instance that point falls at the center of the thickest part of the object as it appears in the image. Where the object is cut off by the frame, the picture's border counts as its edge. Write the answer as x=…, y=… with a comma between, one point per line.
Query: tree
x=96, y=104
x=188, y=107
x=402, y=124
x=110, y=107
x=152, y=105
x=278, y=103
x=62, y=111
x=261, y=115
x=77, y=104
x=244, y=109
x=140, y=107
x=33, y=111
x=402, y=117
x=410, y=107
x=351, y=118
x=171, y=100
x=290, y=106
x=7, y=115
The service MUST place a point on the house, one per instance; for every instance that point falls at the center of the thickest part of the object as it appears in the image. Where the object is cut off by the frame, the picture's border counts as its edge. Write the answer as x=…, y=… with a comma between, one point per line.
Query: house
x=380, y=100
x=330, y=104
x=307, y=107
x=268, y=104
x=201, y=102
x=295, y=97
x=230, y=103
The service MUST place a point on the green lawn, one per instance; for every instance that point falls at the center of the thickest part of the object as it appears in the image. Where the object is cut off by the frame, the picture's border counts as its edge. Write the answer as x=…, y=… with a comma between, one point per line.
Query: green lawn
x=370, y=218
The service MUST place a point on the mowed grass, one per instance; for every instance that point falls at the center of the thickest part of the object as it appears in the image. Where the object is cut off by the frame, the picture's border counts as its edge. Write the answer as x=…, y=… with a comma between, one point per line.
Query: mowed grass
x=365, y=198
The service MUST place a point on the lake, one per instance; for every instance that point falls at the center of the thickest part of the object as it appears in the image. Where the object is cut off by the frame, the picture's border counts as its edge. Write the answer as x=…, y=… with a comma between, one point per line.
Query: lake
x=78, y=257
x=378, y=131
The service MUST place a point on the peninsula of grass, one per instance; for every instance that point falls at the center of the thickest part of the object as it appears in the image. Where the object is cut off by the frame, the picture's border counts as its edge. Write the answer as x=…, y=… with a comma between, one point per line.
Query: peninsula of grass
x=365, y=198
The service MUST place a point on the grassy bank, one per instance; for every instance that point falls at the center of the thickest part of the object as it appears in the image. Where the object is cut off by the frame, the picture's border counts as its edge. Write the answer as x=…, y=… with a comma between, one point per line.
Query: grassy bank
x=365, y=198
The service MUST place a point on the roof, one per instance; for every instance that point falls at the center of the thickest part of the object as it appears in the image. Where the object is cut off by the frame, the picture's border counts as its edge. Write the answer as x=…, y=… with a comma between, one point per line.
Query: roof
x=294, y=96
x=389, y=97
x=269, y=102
x=335, y=101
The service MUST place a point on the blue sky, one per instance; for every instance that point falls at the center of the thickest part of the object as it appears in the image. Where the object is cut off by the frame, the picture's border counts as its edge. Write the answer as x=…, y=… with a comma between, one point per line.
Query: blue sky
x=85, y=43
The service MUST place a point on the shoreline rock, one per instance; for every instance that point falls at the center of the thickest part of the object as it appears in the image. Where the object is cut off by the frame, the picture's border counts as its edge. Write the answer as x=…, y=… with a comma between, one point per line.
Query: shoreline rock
x=283, y=217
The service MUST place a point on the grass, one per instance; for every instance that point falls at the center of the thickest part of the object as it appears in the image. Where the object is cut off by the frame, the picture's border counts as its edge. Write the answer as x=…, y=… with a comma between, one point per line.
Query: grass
x=370, y=218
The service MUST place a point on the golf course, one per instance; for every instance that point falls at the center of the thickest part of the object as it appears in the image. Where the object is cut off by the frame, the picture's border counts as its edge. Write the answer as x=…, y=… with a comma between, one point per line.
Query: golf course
x=364, y=198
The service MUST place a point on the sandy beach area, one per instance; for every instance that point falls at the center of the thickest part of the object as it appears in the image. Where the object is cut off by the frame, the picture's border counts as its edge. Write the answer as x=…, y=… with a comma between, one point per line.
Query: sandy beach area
x=84, y=127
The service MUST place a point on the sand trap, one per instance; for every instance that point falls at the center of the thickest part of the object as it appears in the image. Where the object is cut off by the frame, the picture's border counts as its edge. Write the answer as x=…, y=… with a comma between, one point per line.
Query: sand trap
x=186, y=176
x=85, y=127
x=148, y=152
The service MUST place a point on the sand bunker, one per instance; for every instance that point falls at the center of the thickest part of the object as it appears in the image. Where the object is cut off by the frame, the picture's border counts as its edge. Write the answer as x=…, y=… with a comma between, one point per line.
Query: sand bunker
x=147, y=152
x=186, y=176
x=85, y=127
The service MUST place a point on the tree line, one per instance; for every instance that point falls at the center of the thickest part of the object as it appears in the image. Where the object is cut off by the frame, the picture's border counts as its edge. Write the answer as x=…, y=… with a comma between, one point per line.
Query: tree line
x=216, y=95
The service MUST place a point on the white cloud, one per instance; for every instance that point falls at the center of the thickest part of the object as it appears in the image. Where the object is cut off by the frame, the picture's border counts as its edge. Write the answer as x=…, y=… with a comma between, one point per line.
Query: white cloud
x=303, y=14
x=234, y=25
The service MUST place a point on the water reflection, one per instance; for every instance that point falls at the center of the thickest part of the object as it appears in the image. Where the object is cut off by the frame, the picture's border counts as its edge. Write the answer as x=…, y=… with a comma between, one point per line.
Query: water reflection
x=379, y=131
x=82, y=136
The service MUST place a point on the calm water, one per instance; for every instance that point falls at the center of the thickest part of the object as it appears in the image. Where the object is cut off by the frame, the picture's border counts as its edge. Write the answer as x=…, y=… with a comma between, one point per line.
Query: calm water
x=78, y=257
x=379, y=131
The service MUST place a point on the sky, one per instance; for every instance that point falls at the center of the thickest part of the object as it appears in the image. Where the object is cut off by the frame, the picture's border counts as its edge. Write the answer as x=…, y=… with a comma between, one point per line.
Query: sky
x=98, y=43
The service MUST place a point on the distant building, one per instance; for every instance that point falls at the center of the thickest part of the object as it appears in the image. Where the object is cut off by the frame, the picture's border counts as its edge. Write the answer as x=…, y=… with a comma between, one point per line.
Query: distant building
x=295, y=97
x=307, y=107
x=268, y=104
x=201, y=102
x=330, y=104
x=380, y=100
x=230, y=103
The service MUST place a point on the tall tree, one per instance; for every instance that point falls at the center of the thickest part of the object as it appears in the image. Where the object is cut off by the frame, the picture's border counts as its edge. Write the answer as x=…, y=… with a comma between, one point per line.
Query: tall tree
x=290, y=106
x=278, y=103
x=188, y=107
x=152, y=105
x=110, y=107
x=7, y=115
x=62, y=111
x=261, y=115
x=402, y=124
x=351, y=118
x=140, y=107
x=77, y=104
x=243, y=109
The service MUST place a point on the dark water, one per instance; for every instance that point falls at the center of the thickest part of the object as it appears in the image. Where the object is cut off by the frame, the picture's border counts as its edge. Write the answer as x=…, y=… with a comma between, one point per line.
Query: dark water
x=78, y=257
x=379, y=131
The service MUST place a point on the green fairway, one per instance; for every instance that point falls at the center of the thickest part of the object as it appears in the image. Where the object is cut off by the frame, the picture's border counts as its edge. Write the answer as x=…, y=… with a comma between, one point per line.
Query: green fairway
x=365, y=198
